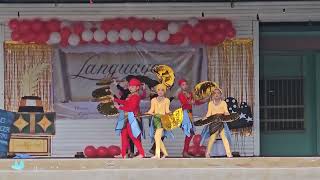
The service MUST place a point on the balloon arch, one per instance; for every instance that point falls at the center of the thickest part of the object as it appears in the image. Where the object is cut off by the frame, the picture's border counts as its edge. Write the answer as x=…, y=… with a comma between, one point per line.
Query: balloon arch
x=122, y=30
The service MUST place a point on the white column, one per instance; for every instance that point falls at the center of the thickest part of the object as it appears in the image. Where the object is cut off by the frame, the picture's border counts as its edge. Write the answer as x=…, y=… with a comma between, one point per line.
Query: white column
x=2, y=39
x=256, y=108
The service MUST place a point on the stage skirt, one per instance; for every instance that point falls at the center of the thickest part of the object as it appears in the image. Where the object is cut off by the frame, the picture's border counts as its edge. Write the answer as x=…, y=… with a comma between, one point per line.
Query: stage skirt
x=135, y=128
x=155, y=123
x=210, y=129
x=187, y=125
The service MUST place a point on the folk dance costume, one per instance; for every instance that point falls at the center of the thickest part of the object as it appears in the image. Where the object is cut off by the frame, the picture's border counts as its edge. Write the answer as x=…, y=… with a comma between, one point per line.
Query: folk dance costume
x=129, y=126
x=186, y=101
x=215, y=128
x=159, y=106
x=124, y=93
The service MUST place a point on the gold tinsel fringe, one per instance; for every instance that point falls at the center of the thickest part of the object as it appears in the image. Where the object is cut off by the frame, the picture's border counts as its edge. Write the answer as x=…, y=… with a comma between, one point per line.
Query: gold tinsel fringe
x=18, y=58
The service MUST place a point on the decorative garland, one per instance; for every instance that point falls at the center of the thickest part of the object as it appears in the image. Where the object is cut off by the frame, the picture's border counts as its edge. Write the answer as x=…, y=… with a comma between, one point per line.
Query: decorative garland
x=120, y=30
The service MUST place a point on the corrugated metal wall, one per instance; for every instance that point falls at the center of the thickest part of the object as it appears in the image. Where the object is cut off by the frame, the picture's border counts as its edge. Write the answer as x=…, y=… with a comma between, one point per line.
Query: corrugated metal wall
x=74, y=135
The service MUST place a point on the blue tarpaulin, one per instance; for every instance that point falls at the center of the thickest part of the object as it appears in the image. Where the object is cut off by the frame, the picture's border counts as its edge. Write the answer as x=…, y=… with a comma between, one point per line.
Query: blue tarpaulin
x=6, y=120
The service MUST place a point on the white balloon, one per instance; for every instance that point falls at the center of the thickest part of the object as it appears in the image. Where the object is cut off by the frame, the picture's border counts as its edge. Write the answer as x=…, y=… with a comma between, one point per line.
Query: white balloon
x=163, y=36
x=74, y=40
x=99, y=35
x=113, y=36
x=88, y=25
x=173, y=27
x=193, y=21
x=149, y=35
x=125, y=34
x=54, y=38
x=65, y=24
x=87, y=35
x=137, y=35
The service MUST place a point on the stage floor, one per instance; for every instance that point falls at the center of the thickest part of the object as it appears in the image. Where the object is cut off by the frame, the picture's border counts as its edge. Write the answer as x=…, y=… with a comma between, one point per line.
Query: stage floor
x=254, y=168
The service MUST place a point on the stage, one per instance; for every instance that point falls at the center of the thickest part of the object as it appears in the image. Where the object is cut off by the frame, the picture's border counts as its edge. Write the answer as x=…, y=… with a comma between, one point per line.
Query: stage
x=254, y=168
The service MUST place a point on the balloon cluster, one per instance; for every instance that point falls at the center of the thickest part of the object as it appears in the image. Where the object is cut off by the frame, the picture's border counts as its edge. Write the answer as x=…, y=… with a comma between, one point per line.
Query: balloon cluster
x=196, y=149
x=102, y=152
x=122, y=30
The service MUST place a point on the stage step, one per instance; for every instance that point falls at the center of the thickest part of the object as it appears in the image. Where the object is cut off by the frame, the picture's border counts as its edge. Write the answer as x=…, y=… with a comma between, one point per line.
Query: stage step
x=256, y=168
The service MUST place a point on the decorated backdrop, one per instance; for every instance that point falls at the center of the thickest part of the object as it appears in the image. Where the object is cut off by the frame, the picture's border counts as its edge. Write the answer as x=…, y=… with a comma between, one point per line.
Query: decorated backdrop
x=77, y=70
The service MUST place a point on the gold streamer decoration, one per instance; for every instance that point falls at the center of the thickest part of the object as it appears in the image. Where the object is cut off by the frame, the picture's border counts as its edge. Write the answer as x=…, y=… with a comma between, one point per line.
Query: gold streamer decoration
x=165, y=74
x=204, y=90
x=231, y=66
x=30, y=79
x=19, y=58
x=172, y=121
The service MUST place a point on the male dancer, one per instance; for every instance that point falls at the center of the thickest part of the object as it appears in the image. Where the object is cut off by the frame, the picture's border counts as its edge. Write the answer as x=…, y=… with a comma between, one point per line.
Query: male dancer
x=186, y=100
x=130, y=128
x=124, y=93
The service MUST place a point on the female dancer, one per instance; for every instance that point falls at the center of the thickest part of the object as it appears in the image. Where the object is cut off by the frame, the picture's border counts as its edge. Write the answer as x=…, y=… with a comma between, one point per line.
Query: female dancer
x=159, y=106
x=217, y=106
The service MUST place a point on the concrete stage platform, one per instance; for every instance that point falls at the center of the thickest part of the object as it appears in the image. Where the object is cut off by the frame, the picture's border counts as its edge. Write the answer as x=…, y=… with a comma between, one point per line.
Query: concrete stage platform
x=255, y=168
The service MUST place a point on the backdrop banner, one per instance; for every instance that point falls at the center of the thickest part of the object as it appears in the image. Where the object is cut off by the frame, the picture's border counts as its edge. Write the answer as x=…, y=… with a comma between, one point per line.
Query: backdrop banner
x=76, y=71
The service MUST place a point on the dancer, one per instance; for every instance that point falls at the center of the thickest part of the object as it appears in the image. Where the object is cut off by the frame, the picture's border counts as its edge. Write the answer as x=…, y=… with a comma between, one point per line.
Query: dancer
x=124, y=93
x=159, y=106
x=186, y=101
x=129, y=126
x=217, y=106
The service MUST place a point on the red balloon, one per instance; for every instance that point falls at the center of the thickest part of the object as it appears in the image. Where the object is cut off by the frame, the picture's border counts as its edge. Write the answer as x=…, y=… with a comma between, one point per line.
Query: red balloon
x=195, y=38
x=106, y=42
x=28, y=37
x=224, y=24
x=102, y=152
x=78, y=28
x=53, y=25
x=64, y=42
x=159, y=25
x=25, y=26
x=65, y=32
x=106, y=25
x=192, y=150
x=114, y=150
x=197, y=140
x=119, y=24
x=93, y=29
x=187, y=29
x=132, y=23
x=90, y=151
x=132, y=42
x=177, y=38
x=199, y=28
x=37, y=25
x=203, y=150
x=15, y=36
x=212, y=26
x=219, y=36
x=143, y=24
x=14, y=24
x=207, y=38
x=93, y=41
x=197, y=151
x=231, y=33
x=42, y=37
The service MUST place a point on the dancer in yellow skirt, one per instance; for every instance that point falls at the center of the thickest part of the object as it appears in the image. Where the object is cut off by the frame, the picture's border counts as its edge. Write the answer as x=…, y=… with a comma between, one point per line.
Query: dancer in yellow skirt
x=159, y=106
